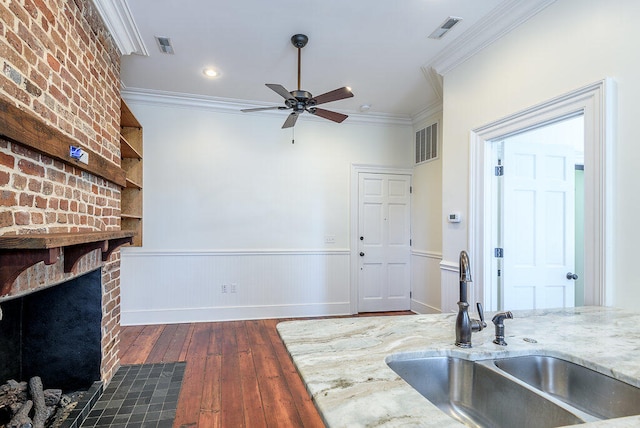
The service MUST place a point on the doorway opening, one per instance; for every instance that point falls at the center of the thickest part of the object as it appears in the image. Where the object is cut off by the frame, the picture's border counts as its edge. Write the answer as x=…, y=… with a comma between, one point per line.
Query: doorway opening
x=595, y=104
x=537, y=221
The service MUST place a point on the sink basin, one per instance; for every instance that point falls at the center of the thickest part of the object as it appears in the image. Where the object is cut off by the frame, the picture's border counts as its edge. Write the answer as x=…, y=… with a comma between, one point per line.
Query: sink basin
x=586, y=389
x=479, y=396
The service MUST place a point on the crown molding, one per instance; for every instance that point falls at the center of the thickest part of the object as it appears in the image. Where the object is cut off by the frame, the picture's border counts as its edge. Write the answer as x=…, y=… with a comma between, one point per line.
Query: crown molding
x=119, y=21
x=505, y=17
x=431, y=110
x=228, y=105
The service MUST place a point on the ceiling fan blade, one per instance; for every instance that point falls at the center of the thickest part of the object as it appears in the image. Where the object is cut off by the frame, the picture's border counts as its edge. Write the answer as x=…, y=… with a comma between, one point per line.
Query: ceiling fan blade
x=246, y=110
x=327, y=114
x=335, y=95
x=280, y=90
x=291, y=120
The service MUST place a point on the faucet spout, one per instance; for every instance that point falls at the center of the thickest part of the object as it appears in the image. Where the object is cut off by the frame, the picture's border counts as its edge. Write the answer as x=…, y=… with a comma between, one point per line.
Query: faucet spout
x=464, y=324
x=465, y=275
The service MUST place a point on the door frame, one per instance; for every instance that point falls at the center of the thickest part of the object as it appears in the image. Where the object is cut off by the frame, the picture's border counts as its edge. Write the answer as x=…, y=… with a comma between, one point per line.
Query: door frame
x=356, y=170
x=596, y=102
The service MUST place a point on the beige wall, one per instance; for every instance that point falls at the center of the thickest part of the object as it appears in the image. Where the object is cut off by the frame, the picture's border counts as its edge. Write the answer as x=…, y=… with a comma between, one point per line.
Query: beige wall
x=570, y=44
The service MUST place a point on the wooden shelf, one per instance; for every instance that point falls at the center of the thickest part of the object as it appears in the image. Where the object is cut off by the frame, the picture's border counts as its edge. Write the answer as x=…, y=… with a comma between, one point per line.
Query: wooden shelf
x=132, y=184
x=131, y=153
x=127, y=150
x=131, y=216
x=19, y=252
x=127, y=118
x=53, y=240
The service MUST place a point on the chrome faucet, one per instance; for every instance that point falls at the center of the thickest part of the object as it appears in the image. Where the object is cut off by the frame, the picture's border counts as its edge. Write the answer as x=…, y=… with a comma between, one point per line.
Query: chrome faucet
x=465, y=325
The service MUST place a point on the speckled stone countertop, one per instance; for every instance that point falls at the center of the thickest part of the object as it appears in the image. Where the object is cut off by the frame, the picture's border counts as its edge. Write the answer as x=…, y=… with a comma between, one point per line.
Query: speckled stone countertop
x=343, y=361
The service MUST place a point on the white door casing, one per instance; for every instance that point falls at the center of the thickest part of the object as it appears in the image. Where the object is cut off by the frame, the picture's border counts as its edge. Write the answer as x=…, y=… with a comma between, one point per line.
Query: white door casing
x=597, y=103
x=538, y=202
x=384, y=233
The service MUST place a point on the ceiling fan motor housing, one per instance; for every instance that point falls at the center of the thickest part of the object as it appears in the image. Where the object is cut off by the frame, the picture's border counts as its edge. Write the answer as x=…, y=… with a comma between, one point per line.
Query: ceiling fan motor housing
x=299, y=40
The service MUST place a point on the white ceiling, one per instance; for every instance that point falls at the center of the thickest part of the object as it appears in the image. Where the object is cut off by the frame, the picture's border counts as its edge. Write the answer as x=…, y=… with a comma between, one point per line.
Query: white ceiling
x=380, y=48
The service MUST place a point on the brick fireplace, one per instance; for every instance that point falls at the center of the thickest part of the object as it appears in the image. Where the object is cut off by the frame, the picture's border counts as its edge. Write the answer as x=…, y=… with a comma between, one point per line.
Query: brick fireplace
x=59, y=84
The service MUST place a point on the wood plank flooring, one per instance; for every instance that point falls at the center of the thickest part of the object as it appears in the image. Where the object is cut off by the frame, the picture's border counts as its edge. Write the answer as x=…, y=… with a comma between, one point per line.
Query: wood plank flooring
x=238, y=373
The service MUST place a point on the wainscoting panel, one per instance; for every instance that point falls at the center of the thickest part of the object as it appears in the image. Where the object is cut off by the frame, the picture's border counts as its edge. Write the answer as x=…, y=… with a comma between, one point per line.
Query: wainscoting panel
x=190, y=286
x=425, y=282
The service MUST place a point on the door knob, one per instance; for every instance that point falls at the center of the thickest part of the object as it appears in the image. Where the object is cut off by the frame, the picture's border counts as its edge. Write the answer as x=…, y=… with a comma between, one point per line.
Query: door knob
x=572, y=276
x=361, y=254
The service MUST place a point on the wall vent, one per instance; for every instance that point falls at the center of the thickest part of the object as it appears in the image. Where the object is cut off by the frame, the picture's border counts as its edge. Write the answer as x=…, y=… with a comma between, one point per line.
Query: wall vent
x=164, y=44
x=427, y=144
x=444, y=28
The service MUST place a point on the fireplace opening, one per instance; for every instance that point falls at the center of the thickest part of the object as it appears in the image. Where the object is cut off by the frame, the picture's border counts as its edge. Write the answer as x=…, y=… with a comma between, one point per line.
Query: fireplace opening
x=55, y=334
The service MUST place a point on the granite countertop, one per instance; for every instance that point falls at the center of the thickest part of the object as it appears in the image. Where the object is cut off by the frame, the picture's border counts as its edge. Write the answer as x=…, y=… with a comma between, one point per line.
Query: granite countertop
x=343, y=361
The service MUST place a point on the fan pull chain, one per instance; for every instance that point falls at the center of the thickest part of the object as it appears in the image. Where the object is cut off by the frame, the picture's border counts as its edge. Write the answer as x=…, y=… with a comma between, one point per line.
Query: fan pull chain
x=293, y=135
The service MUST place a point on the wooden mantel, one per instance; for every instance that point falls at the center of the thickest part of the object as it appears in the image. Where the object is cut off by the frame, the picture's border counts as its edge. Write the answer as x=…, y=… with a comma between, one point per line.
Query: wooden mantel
x=19, y=252
x=24, y=127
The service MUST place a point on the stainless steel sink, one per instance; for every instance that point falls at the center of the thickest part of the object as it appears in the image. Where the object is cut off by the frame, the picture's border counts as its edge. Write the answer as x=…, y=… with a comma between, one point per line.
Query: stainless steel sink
x=479, y=395
x=586, y=389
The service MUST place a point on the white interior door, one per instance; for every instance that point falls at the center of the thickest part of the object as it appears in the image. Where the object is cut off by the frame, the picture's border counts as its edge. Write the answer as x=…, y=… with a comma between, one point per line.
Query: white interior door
x=538, y=225
x=384, y=227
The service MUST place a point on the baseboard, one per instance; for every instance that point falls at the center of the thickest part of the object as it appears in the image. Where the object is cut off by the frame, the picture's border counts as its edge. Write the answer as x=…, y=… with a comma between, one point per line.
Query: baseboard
x=423, y=308
x=227, y=313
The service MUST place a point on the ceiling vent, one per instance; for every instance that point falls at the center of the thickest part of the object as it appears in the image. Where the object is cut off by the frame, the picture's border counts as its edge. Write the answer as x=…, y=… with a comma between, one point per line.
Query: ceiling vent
x=164, y=43
x=444, y=28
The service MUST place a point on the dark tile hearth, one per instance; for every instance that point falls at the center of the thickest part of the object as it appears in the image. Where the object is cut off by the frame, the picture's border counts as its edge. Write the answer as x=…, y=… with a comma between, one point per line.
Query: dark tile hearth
x=139, y=396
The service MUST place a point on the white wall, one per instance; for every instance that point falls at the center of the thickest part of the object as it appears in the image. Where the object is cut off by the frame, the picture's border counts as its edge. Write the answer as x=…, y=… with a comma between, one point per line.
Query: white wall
x=570, y=44
x=426, y=229
x=229, y=200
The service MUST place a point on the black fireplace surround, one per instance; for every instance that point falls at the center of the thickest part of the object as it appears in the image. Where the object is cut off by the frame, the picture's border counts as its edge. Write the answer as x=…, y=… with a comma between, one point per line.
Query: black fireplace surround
x=55, y=334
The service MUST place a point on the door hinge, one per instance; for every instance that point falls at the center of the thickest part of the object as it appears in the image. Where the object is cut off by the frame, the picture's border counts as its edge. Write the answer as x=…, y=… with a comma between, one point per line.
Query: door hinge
x=499, y=172
x=410, y=294
x=410, y=242
x=410, y=189
x=498, y=253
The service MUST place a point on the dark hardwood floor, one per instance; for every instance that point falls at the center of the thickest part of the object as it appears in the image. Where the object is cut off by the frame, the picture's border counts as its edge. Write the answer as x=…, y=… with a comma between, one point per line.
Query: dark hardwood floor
x=238, y=373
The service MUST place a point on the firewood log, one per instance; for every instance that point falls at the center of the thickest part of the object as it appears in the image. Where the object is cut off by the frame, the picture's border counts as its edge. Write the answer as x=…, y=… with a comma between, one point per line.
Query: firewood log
x=12, y=392
x=52, y=396
x=21, y=419
x=40, y=411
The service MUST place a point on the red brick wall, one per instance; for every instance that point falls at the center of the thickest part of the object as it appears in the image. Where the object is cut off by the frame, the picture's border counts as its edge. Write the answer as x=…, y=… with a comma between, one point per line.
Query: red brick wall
x=58, y=61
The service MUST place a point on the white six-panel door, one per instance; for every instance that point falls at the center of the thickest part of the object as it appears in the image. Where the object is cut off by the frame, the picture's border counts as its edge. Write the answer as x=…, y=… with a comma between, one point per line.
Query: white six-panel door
x=538, y=234
x=384, y=220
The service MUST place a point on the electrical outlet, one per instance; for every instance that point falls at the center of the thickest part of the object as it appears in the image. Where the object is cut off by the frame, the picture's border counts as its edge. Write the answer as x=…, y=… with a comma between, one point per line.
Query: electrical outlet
x=224, y=288
x=234, y=287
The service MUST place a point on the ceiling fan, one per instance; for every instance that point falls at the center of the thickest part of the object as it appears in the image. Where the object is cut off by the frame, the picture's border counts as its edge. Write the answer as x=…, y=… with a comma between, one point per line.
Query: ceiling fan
x=300, y=101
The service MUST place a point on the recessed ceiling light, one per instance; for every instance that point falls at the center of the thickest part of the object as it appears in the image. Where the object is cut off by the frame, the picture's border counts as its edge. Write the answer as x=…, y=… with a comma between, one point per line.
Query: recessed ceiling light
x=210, y=72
